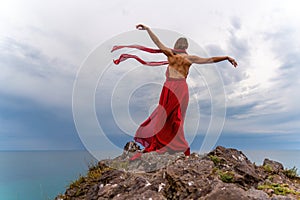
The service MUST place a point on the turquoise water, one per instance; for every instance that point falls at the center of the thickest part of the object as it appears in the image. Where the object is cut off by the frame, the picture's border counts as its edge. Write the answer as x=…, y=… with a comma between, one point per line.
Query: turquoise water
x=40, y=175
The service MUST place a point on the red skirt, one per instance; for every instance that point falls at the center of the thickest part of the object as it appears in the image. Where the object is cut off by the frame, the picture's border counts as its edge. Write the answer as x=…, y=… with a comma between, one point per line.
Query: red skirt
x=163, y=131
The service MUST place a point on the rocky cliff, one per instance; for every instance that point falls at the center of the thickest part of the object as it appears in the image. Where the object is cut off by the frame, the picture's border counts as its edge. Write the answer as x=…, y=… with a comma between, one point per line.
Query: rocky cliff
x=223, y=174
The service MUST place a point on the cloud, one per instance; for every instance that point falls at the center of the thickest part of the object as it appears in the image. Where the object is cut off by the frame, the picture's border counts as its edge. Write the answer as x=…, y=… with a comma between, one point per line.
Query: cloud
x=42, y=48
x=261, y=93
x=27, y=72
x=236, y=23
x=31, y=126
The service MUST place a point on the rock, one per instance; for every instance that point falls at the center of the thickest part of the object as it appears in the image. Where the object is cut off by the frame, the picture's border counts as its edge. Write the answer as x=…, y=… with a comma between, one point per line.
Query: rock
x=148, y=162
x=270, y=191
x=274, y=166
x=277, y=179
x=234, y=160
x=189, y=179
x=221, y=174
x=280, y=197
x=131, y=147
x=227, y=191
x=255, y=194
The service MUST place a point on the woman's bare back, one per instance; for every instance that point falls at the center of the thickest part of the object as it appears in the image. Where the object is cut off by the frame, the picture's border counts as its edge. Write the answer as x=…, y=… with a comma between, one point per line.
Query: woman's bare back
x=179, y=65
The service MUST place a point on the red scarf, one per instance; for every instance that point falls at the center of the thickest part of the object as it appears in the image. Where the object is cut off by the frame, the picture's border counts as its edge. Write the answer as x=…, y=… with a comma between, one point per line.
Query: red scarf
x=124, y=57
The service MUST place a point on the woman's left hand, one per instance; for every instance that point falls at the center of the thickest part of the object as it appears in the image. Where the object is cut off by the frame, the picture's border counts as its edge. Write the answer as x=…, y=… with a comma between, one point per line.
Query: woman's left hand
x=141, y=27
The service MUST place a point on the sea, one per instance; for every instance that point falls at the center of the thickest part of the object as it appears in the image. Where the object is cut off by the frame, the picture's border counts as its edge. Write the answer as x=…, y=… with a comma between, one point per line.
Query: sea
x=42, y=175
x=35, y=175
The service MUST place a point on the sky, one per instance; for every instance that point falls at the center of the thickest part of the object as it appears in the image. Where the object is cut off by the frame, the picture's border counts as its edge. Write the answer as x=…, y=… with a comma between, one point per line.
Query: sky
x=43, y=45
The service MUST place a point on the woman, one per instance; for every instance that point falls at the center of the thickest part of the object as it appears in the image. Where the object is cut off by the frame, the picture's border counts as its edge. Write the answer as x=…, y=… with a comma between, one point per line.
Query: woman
x=163, y=131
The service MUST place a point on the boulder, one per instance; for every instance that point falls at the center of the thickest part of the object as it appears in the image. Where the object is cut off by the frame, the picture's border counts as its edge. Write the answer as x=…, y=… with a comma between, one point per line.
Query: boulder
x=273, y=166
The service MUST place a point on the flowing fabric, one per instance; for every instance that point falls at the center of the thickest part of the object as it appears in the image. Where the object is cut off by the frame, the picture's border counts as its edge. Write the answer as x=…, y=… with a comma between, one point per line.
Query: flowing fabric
x=163, y=130
x=124, y=57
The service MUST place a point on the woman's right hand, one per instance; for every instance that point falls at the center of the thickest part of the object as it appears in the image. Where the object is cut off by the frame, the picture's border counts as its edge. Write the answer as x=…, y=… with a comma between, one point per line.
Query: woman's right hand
x=232, y=61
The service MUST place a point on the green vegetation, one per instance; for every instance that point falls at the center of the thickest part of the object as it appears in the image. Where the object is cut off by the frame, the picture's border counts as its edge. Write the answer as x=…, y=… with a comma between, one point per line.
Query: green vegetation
x=268, y=168
x=79, y=192
x=270, y=177
x=215, y=159
x=77, y=182
x=291, y=173
x=227, y=176
x=215, y=170
x=279, y=189
x=94, y=173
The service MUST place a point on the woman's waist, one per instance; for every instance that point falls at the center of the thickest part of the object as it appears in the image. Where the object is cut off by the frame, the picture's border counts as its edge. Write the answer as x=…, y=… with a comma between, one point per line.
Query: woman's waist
x=175, y=79
x=175, y=74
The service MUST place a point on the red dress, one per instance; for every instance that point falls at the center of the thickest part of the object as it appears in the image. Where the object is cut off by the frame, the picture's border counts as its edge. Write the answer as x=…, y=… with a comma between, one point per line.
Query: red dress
x=163, y=131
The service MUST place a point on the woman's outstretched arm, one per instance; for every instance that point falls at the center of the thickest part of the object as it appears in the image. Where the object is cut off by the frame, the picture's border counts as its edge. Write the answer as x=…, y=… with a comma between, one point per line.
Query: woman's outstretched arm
x=199, y=60
x=167, y=51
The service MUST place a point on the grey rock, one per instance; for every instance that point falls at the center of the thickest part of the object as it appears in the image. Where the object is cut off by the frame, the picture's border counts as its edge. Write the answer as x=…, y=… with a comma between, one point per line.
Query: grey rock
x=227, y=191
x=275, y=166
x=255, y=194
x=280, y=197
x=231, y=159
x=223, y=174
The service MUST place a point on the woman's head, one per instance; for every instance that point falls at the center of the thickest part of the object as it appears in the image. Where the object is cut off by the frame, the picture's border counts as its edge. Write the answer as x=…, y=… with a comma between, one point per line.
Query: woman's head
x=181, y=43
